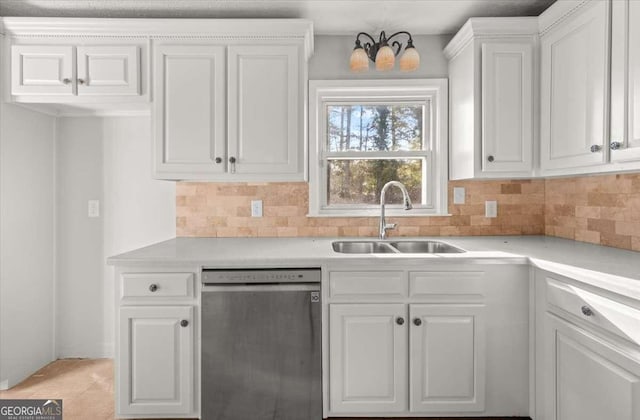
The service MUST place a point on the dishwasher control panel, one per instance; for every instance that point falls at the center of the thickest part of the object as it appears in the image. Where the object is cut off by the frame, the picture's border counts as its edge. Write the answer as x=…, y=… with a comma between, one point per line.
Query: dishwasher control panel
x=260, y=276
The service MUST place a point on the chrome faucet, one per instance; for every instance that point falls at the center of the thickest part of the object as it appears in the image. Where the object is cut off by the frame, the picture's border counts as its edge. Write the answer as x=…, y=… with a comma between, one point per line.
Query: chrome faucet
x=406, y=201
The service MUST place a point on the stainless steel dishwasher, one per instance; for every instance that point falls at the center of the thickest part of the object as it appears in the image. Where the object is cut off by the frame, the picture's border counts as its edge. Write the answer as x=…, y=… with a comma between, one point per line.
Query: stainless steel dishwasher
x=261, y=344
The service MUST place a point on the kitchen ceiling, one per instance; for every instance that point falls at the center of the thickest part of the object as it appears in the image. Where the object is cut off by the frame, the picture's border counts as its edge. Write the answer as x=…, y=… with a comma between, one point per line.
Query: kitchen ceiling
x=329, y=16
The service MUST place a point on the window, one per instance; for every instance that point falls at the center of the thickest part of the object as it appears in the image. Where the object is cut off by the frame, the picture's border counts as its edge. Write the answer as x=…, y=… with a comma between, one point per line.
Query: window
x=366, y=133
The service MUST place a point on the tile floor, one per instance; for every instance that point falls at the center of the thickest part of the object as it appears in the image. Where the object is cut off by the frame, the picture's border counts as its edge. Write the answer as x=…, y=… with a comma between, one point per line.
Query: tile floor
x=86, y=388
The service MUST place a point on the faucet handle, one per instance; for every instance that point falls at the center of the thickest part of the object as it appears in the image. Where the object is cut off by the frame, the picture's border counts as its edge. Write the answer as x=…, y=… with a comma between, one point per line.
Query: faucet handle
x=390, y=226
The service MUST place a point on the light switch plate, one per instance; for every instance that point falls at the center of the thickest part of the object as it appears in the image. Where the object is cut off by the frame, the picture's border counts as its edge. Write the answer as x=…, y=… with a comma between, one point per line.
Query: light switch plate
x=490, y=209
x=458, y=195
x=256, y=208
x=93, y=208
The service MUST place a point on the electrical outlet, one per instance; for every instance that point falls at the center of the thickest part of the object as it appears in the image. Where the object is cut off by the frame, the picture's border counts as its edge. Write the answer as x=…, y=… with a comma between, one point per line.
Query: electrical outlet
x=93, y=208
x=458, y=195
x=490, y=209
x=256, y=208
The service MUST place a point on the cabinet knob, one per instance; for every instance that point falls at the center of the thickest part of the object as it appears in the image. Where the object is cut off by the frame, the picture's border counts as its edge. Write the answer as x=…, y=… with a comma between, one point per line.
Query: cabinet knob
x=615, y=145
x=232, y=160
x=66, y=81
x=399, y=320
x=586, y=311
x=184, y=323
x=595, y=148
x=153, y=287
x=490, y=158
x=81, y=81
x=417, y=322
x=218, y=160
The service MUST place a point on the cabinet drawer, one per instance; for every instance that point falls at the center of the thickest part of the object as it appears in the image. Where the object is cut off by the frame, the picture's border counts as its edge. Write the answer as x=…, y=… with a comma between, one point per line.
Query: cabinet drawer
x=157, y=285
x=366, y=285
x=446, y=285
x=615, y=317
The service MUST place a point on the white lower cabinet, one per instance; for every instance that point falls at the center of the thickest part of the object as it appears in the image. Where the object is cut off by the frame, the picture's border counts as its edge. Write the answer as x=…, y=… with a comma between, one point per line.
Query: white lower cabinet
x=369, y=358
x=446, y=358
x=588, y=377
x=155, y=360
x=407, y=343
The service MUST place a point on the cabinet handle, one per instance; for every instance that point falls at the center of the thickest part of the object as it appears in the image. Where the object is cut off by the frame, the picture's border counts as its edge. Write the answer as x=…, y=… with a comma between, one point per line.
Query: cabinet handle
x=218, y=160
x=66, y=81
x=490, y=158
x=417, y=322
x=232, y=161
x=595, y=148
x=615, y=145
x=586, y=311
x=153, y=287
x=399, y=320
x=81, y=81
x=184, y=323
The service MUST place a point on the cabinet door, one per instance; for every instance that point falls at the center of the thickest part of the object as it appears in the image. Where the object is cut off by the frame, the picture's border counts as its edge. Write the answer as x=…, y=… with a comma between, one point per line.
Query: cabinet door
x=42, y=70
x=155, y=360
x=625, y=80
x=189, y=111
x=574, y=90
x=588, y=378
x=447, y=358
x=368, y=359
x=108, y=70
x=265, y=110
x=507, y=107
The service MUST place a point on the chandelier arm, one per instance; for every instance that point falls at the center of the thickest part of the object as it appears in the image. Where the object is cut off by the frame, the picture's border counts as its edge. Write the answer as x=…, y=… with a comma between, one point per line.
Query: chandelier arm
x=398, y=46
x=401, y=33
x=373, y=41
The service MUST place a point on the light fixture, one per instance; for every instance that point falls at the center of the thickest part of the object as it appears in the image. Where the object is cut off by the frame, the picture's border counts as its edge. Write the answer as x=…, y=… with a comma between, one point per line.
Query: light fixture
x=382, y=54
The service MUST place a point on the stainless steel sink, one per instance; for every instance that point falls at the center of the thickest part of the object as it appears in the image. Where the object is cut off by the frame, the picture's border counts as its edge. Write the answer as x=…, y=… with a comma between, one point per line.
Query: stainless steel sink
x=363, y=247
x=405, y=247
x=426, y=247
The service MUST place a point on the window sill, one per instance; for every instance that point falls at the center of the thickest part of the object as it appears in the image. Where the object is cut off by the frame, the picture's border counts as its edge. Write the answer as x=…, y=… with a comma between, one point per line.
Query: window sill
x=389, y=212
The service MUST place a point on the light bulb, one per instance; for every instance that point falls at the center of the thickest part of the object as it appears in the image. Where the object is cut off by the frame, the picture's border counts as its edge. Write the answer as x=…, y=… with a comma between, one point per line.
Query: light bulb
x=385, y=58
x=359, y=61
x=410, y=60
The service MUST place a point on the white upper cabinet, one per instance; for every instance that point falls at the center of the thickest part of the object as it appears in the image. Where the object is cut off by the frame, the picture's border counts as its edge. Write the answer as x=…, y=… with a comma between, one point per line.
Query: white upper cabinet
x=265, y=115
x=231, y=108
x=42, y=73
x=625, y=80
x=189, y=118
x=108, y=70
x=574, y=81
x=492, y=82
x=42, y=70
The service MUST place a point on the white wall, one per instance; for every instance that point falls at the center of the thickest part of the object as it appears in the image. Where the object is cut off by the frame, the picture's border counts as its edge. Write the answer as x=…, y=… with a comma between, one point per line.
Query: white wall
x=79, y=241
x=331, y=59
x=106, y=159
x=26, y=243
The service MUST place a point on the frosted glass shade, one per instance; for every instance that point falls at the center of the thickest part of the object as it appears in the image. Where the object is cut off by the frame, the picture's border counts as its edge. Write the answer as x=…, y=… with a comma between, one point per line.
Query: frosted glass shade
x=359, y=61
x=385, y=59
x=410, y=60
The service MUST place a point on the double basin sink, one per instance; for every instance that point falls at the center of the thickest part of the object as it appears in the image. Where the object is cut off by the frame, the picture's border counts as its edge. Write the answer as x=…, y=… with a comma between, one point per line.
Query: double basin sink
x=399, y=247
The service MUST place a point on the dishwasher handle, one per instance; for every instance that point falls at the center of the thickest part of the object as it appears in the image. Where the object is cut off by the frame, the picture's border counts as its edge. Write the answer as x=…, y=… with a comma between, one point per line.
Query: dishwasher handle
x=261, y=287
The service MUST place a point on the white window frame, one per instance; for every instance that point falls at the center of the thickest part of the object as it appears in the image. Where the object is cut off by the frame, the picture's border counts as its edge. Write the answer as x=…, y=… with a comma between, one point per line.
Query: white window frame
x=408, y=91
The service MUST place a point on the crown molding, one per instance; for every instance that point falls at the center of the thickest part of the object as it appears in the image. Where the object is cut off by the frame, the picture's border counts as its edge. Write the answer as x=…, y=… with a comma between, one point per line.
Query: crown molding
x=216, y=29
x=558, y=13
x=490, y=27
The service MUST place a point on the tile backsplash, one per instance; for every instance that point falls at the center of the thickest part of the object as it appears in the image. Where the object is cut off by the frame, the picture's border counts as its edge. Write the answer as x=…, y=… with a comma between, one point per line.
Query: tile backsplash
x=602, y=209
x=224, y=210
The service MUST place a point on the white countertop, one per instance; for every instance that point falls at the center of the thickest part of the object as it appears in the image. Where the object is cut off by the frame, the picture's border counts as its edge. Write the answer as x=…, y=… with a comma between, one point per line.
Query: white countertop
x=616, y=269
